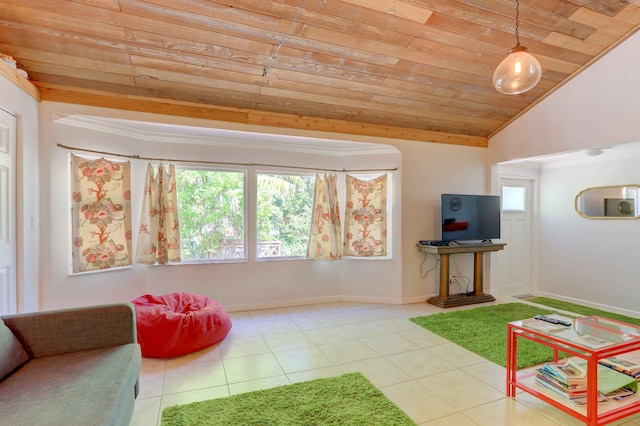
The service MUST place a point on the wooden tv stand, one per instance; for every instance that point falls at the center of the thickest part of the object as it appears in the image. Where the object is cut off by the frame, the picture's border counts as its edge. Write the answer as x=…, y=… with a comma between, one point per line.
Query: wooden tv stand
x=444, y=299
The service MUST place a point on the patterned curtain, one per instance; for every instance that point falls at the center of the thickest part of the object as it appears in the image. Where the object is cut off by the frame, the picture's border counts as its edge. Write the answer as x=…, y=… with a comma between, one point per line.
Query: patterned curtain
x=159, y=230
x=325, y=239
x=366, y=217
x=101, y=212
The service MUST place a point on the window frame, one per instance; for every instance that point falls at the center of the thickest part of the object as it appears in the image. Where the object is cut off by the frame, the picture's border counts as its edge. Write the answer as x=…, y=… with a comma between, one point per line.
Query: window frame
x=280, y=171
x=250, y=208
x=245, y=183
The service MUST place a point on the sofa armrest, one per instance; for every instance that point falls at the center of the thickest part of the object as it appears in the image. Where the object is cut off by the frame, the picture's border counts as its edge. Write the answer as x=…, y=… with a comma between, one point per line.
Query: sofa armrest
x=56, y=332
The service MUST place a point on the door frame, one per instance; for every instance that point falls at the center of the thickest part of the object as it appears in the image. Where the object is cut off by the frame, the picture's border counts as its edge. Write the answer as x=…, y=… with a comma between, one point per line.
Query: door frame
x=9, y=280
x=531, y=173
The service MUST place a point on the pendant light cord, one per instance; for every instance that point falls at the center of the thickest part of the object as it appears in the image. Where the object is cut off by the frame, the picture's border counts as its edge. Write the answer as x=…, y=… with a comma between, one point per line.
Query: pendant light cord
x=273, y=57
x=517, y=22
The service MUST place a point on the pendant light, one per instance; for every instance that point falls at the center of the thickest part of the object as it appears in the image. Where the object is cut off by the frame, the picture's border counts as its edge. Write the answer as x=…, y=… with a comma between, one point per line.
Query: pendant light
x=519, y=71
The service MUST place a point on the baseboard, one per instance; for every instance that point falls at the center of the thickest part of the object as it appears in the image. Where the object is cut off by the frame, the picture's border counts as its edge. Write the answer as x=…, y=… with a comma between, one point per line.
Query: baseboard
x=590, y=304
x=328, y=299
x=281, y=303
x=364, y=299
x=417, y=299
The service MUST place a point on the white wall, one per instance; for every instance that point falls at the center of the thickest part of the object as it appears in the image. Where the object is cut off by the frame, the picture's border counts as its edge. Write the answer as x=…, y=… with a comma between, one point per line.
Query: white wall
x=430, y=170
x=598, y=108
x=585, y=259
x=25, y=108
x=579, y=259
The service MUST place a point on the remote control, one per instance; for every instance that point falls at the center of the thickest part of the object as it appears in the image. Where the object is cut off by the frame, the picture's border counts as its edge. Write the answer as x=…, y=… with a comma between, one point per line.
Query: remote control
x=552, y=320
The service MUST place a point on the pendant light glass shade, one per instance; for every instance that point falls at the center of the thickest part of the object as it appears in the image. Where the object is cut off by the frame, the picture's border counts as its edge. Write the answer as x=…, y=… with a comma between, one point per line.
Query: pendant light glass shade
x=517, y=73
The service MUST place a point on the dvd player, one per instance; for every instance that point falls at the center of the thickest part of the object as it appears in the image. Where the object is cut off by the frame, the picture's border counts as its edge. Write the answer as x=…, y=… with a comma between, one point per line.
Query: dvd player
x=433, y=243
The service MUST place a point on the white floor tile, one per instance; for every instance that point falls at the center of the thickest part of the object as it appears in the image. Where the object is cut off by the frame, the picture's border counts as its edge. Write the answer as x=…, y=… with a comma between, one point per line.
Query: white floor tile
x=507, y=412
x=365, y=329
x=423, y=338
x=323, y=336
x=419, y=403
x=388, y=344
x=316, y=373
x=420, y=363
x=435, y=382
x=456, y=354
x=461, y=390
x=378, y=371
x=193, y=396
x=288, y=340
x=188, y=377
x=349, y=351
x=259, y=384
x=457, y=419
x=302, y=359
x=490, y=373
x=251, y=368
x=146, y=412
x=152, y=376
x=234, y=347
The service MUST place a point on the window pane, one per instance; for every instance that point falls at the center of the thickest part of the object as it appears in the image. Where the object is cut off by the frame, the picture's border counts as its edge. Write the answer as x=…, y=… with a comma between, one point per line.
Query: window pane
x=211, y=213
x=283, y=214
x=513, y=198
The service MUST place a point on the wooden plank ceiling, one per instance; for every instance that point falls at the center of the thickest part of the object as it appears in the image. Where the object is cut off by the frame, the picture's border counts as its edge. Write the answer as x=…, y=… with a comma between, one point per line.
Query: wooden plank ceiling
x=414, y=69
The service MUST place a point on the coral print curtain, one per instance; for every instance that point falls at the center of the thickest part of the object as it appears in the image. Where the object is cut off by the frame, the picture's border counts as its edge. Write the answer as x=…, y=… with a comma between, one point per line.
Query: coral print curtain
x=159, y=230
x=325, y=239
x=101, y=212
x=366, y=217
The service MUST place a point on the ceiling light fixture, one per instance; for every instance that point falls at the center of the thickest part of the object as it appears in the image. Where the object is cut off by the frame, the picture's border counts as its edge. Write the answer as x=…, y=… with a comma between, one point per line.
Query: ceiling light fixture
x=519, y=71
x=593, y=152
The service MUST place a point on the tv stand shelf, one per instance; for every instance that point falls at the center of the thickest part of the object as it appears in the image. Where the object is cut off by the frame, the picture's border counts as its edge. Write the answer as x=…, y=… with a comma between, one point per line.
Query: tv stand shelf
x=444, y=299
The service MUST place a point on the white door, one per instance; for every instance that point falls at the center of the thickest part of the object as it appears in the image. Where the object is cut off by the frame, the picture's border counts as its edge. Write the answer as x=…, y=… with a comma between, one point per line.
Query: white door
x=514, y=262
x=8, y=289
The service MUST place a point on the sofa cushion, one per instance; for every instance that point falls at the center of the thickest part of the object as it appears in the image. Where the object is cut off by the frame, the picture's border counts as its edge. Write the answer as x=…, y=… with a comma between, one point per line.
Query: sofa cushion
x=12, y=354
x=93, y=387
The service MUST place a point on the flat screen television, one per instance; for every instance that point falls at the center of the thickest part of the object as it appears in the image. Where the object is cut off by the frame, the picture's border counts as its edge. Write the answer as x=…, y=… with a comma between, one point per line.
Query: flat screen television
x=470, y=217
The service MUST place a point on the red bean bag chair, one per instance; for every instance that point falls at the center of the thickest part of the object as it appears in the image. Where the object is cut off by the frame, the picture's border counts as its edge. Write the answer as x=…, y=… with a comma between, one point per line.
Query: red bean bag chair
x=178, y=323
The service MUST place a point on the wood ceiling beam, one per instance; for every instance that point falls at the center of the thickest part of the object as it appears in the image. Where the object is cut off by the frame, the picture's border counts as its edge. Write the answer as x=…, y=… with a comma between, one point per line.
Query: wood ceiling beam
x=12, y=75
x=243, y=116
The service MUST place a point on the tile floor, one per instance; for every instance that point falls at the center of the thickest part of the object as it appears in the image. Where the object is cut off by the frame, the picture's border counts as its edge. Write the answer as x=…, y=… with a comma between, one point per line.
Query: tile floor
x=436, y=382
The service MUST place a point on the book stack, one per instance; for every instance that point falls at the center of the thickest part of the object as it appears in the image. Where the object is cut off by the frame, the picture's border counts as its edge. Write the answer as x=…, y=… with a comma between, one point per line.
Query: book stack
x=568, y=379
x=625, y=365
x=564, y=378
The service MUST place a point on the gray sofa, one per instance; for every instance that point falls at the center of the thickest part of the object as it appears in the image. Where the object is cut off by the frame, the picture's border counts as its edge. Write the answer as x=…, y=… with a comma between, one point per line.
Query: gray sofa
x=69, y=367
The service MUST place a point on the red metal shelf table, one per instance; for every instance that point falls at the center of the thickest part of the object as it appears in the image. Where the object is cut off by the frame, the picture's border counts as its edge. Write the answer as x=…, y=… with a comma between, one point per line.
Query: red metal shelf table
x=622, y=337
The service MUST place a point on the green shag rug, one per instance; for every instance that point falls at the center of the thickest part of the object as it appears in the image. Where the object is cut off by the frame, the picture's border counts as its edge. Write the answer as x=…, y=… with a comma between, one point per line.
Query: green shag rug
x=582, y=310
x=484, y=331
x=345, y=400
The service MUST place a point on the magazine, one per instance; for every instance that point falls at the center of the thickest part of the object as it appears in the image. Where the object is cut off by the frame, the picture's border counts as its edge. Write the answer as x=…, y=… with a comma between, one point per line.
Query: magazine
x=583, y=339
x=626, y=366
x=568, y=370
x=568, y=378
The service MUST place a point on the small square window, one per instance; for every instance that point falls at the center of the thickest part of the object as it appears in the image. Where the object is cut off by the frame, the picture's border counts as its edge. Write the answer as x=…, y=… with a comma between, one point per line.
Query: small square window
x=514, y=198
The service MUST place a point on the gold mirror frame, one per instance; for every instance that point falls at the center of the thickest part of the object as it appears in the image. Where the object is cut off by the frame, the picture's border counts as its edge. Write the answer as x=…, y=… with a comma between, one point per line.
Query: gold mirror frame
x=609, y=202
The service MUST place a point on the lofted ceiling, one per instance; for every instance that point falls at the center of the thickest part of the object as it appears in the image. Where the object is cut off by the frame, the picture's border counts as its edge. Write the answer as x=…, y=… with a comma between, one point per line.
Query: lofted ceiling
x=412, y=69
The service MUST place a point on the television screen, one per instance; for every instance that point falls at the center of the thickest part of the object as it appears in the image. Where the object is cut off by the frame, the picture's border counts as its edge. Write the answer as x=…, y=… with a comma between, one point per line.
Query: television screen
x=470, y=217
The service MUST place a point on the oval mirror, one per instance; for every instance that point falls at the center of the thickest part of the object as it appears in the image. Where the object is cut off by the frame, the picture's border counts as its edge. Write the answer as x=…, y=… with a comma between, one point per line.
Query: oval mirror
x=608, y=202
